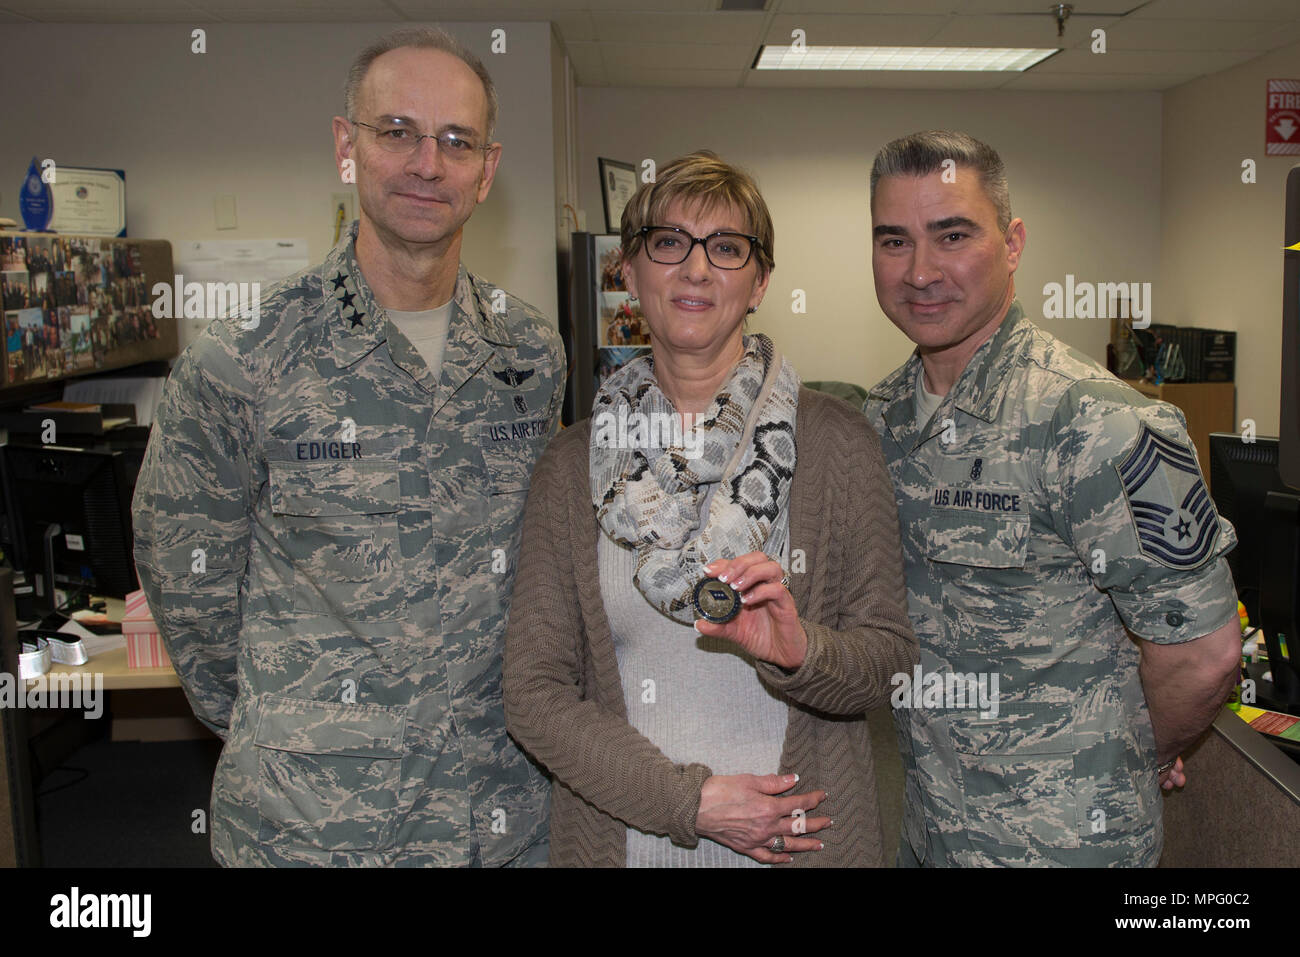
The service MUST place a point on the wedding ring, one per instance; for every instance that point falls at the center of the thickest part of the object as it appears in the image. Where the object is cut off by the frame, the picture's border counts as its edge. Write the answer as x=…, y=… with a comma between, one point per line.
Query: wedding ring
x=778, y=844
x=785, y=582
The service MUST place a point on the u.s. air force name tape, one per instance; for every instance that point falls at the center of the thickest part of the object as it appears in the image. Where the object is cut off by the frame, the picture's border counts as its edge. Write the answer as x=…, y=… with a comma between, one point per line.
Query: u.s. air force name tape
x=35, y=656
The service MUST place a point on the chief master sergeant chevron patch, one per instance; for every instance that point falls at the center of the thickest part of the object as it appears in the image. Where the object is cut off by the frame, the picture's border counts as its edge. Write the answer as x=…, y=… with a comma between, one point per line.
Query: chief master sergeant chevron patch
x=1172, y=513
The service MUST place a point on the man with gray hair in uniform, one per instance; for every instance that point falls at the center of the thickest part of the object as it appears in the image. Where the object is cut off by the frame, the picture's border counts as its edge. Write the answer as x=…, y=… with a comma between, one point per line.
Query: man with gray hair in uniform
x=1059, y=546
x=328, y=515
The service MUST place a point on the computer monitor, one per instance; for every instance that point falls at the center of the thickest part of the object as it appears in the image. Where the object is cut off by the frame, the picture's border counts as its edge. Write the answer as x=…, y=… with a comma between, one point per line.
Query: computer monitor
x=1279, y=598
x=1248, y=491
x=1241, y=475
x=87, y=494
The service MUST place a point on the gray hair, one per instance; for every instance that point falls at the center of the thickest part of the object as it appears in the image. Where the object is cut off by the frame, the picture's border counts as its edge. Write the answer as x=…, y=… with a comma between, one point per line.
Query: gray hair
x=424, y=38
x=924, y=153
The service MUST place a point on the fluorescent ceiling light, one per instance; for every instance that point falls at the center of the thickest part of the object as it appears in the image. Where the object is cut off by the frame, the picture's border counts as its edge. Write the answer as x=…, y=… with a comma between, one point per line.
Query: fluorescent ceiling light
x=899, y=58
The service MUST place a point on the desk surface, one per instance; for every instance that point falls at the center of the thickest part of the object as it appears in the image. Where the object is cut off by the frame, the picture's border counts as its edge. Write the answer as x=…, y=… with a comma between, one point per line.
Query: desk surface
x=1267, y=757
x=117, y=676
x=112, y=664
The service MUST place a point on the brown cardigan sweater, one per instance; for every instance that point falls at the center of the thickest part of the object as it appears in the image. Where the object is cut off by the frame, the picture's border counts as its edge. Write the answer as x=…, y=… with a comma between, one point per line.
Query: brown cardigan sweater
x=564, y=697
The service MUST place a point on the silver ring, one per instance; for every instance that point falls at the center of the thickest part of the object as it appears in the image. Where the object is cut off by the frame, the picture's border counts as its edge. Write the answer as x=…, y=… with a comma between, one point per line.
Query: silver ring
x=785, y=582
x=778, y=843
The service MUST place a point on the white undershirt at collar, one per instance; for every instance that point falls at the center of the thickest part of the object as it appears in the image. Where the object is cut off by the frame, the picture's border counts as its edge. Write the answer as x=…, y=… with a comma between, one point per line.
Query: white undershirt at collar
x=427, y=332
x=927, y=403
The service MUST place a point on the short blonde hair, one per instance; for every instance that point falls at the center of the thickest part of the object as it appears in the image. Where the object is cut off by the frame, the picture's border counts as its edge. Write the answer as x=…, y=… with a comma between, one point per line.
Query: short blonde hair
x=699, y=179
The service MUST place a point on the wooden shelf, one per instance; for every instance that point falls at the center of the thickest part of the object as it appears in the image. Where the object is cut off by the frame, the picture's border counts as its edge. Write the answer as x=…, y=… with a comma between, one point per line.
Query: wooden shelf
x=1208, y=406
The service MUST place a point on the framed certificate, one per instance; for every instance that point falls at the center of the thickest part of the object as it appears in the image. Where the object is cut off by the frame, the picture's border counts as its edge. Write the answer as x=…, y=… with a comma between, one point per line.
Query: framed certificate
x=90, y=202
x=617, y=184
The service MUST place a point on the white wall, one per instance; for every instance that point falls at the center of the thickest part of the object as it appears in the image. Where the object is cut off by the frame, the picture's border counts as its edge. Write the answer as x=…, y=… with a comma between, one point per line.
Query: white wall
x=564, y=133
x=251, y=117
x=1107, y=194
x=1084, y=171
x=1221, y=239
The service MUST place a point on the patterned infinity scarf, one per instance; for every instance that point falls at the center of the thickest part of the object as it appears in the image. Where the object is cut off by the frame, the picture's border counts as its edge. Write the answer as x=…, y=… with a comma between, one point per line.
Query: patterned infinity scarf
x=650, y=497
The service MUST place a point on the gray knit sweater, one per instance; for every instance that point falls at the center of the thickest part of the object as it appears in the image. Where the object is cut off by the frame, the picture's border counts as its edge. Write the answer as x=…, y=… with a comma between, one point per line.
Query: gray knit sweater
x=564, y=696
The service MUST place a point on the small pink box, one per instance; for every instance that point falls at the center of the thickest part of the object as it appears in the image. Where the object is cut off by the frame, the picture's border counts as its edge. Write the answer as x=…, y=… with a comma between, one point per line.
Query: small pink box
x=144, y=647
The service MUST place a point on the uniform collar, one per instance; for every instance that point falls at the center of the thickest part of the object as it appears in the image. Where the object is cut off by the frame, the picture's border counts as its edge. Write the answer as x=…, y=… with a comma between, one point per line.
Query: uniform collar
x=358, y=324
x=897, y=393
x=978, y=391
x=983, y=384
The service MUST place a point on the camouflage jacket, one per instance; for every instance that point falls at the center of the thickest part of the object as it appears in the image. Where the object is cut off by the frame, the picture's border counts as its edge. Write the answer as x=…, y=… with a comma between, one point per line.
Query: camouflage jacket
x=1045, y=507
x=327, y=537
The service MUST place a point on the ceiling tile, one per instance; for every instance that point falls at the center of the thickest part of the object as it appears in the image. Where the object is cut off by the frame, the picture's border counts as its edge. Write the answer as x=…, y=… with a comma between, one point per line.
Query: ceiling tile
x=574, y=25
x=1276, y=37
x=375, y=8
x=1143, y=62
x=87, y=11
x=1017, y=31
x=588, y=63
x=537, y=9
x=867, y=79
x=304, y=11
x=633, y=42
x=624, y=75
x=877, y=6
x=1084, y=83
x=660, y=6
x=679, y=27
x=673, y=56
x=856, y=30
x=1038, y=9
x=1219, y=10
x=1131, y=34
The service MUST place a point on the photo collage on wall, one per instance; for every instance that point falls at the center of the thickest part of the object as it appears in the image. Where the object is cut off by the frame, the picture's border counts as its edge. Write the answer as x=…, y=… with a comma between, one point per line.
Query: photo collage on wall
x=622, y=332
x=68, y=302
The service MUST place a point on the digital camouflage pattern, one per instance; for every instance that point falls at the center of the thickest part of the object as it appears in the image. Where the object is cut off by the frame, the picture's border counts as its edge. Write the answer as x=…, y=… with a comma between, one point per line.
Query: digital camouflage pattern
x=327, y=537
x=1025, y=558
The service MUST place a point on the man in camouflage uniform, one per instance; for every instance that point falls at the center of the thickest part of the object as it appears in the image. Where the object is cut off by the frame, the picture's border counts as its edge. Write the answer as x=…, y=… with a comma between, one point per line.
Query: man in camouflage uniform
x=329, y=510
x=1045, y=508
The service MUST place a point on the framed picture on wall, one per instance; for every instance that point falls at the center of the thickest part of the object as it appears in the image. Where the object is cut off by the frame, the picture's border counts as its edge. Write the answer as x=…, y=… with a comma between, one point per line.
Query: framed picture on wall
x=617, y=184
x=89, y=201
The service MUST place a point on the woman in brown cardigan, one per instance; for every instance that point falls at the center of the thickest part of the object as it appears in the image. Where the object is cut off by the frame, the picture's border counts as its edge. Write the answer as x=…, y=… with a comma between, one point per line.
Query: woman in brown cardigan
x=710, y=586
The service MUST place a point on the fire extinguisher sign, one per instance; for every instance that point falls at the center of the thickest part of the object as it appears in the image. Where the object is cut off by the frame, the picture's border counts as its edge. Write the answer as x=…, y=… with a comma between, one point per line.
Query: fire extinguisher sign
x=1282, y=126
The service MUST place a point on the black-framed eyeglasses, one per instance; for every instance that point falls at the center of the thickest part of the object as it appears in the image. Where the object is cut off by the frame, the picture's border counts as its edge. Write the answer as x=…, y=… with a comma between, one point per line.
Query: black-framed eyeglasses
x=405, y=138
x=668, y=246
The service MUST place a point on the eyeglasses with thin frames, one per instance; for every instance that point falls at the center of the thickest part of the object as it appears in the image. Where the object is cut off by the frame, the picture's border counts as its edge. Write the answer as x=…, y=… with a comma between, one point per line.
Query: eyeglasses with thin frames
x=669, y=246
x=406, y=137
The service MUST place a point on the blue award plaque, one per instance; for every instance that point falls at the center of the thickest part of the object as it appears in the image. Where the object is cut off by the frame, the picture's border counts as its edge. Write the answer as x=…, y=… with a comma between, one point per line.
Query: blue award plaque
x=37, y=202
